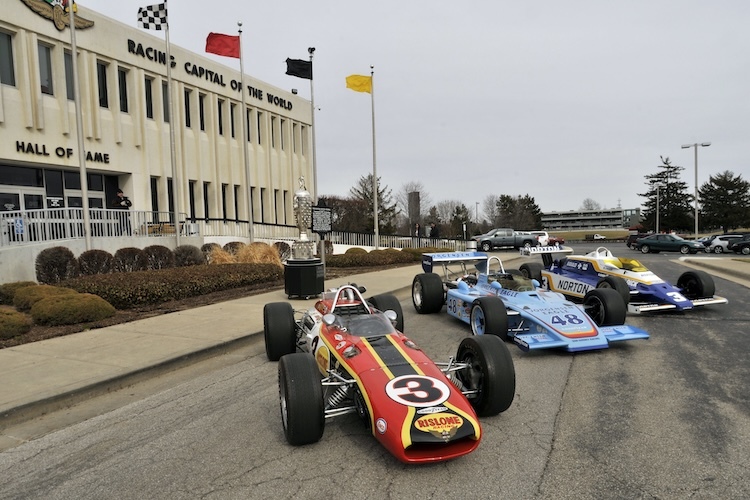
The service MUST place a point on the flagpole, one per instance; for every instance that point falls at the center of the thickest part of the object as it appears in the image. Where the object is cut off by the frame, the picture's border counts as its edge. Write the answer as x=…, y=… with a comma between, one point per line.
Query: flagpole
x=79, y=130
x=374, y=163
x=176, y=201
x=311, y=50
x=244, y=141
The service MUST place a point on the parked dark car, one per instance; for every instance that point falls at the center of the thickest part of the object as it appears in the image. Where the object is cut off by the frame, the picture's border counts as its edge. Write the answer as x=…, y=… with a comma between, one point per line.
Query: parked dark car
x=555, y=240
x=741, y=246
x=668, y=243
x=631, y=239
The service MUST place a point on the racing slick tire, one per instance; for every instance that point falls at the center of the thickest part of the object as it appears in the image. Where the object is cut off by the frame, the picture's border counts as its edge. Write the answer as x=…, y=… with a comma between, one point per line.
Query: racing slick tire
x=427, y=293
x=616, y=283
x=645, y=249
x=605, y=306
x=532, y=270
x=490, y=374
x=386, y=301
x=279, y=330
x=485, y=246
x=301, y=399
x=514, y=272
x=489, y=317
x=696, y=284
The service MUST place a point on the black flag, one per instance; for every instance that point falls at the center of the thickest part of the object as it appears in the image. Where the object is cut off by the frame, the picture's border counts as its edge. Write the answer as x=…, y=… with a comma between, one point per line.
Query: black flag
x=299, y=67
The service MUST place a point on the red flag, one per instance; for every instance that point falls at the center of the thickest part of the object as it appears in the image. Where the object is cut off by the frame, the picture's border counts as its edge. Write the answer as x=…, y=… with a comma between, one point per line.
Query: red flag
x=223, y=45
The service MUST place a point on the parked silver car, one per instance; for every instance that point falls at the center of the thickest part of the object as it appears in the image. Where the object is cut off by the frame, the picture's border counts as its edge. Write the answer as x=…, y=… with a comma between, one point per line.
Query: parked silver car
x=720, y=243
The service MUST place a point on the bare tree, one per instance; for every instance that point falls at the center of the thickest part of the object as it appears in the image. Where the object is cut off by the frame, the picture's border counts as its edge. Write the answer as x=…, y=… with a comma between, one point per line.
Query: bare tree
x=589, y=204
x=490, y=209
x=402, y=198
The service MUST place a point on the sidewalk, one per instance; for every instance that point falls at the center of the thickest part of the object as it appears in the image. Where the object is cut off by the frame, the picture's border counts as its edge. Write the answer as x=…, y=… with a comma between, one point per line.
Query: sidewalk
x=44, y=376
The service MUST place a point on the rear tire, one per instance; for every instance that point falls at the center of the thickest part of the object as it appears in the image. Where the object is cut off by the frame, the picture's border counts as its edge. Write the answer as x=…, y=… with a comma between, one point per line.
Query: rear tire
x=489, y=317
x=386, y=301
x=618, y=284
x=427, y=293
x=301, y=399
x=490, y=372
x=605, y=306
x=532, y=270
x=279, y=330
x=696, y=284
x=718, y=249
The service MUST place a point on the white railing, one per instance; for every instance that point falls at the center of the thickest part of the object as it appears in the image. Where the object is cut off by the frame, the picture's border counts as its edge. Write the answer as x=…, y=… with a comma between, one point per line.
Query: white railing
x=23, y=227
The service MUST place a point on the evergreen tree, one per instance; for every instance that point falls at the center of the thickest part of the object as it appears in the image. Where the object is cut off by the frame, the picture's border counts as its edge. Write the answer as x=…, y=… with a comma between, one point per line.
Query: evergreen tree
x=362, y=192
x=725, y=202
x=675, y=212
x=520, y=212
x=458, y=218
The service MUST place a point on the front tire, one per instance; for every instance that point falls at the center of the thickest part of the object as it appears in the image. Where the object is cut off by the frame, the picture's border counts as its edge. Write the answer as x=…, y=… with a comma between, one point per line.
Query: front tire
x=490, y=374
x=386, y=301
x=618, y=284
x=489, y=317
x=645, y=249
x=427, y=293
x=605, y=306
x=301, y=399
x=718, y=249
x=486, y=246
x=279, y=330
x=696, y=284
x=684, y=249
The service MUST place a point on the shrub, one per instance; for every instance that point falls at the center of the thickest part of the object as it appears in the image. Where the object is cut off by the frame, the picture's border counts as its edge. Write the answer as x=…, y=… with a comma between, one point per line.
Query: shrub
x=258, y=253
x=283, y=249
x=8, y=290
x=207, y=249
x=220, y=256
x=56, y=264
x=95, y=262
x=188, y=255
x=71, y=309
x=28, y=296
x=152, y=287
x=355, y=251
x=129, y=259
x=158, y=257
x=234, y=247
x=13, y=323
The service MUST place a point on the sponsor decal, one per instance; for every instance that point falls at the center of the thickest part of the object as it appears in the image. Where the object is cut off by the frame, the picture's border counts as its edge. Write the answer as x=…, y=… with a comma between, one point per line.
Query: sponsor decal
x=418, y=391
x=323, y=358
x=431, y=410
x=440, y=425
x=340, y=345
x=338, y=337
x=573, y=286
x=381, y=425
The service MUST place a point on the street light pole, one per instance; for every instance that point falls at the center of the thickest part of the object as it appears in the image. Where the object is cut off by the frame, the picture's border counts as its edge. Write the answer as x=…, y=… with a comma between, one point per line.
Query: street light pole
x=695, y=146
x=657, y=206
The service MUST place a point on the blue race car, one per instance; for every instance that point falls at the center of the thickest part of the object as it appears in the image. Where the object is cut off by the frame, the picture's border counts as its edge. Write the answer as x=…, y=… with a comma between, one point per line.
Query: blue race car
x=493, y=301
x=643, y=291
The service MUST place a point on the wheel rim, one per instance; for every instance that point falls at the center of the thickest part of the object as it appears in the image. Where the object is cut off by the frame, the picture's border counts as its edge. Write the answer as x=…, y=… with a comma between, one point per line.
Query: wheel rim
x=644, y=249
x=746, y=251
x=417, y=293
x=718, y=250
x=595, y=309
x=284, y=410
x=690, y=287
x=477, y=321
x=684, y=249
x=486, y=247
x=471, y=376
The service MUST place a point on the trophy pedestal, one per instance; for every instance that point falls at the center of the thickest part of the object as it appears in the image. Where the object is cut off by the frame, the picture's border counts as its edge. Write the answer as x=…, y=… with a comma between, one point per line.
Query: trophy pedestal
x=303, y=278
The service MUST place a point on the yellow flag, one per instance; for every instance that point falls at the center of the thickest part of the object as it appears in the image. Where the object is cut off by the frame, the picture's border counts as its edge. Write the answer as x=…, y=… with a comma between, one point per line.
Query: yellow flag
x=359, y=83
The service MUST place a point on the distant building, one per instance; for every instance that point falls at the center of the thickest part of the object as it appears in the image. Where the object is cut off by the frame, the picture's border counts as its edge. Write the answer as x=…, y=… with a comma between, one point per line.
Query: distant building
x=572, y=220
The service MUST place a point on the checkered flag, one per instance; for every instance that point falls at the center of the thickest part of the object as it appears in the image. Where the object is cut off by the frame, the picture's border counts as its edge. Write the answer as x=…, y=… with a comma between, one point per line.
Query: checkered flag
x=153, y=17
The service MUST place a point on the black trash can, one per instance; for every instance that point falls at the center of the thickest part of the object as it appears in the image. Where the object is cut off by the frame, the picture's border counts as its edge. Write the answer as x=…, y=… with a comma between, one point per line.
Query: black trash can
x=303, y=278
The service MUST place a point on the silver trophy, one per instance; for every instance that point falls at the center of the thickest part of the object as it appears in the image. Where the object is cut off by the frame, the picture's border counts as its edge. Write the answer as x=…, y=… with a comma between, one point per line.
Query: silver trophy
x=303, y=248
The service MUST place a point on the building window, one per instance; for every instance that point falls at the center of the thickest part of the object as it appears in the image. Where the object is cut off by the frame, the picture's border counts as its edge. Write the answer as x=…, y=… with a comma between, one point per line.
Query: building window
x=45, y=69
x=122, y=80
x=294, y=137
x=155, y=195
x=224, y=200
x=201, y=111
x=273, y=131
x=165, y=101
x=302, y=141
x=101, y=73
x=232, y=107
x=236, y=202
x=260, y=121
x=170, y=199
x=69, y=84
x=248, y=120
x=191, y=198
x=206, y=186
x=149, y=97
x=7, y=75
x=187, y=107
x=220, y=111
x=281, y=133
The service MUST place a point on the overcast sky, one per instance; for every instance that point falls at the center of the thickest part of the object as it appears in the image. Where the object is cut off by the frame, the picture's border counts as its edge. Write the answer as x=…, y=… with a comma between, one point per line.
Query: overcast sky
x=561, y=100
